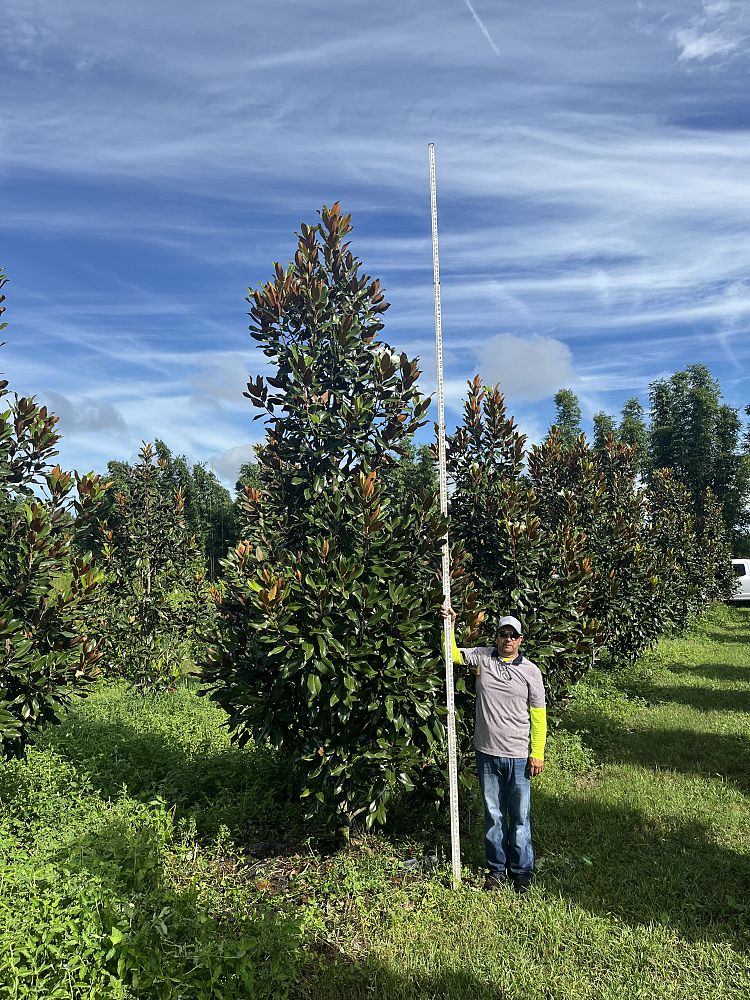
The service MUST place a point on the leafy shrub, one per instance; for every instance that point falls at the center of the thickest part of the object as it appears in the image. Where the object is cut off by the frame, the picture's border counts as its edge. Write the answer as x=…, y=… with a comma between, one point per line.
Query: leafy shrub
x=598, y=493
x=88, y=909
x=654, y=569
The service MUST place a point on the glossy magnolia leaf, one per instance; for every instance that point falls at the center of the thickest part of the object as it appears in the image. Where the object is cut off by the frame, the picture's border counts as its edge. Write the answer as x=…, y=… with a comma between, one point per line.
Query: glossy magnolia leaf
x=314, y=684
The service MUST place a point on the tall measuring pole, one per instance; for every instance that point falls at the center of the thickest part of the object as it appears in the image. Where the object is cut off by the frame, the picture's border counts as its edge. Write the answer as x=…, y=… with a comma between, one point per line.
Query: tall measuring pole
x=448, y=624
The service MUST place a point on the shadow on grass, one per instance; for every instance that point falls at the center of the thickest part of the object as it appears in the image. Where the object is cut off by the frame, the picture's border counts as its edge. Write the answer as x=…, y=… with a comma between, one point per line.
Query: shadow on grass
x=642, y=869
x=732, y=636
x=683, y=750
x=249, y=792
x=612, y=862
x=607, y=861
x=338, y=979
x=703, y=698
x=714, y=671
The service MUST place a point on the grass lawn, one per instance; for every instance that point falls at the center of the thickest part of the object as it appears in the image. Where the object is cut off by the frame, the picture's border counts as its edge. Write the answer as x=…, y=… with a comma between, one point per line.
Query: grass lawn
x=141, y=856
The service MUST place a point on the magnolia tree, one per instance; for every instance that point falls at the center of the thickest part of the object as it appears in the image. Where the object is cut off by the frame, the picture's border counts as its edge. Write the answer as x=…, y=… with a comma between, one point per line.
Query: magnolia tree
x=598, y=492
x=520, y=567
x=329, y=624
x=653, y=567
x=47, y=656
x=152, y=606
x=206, y=513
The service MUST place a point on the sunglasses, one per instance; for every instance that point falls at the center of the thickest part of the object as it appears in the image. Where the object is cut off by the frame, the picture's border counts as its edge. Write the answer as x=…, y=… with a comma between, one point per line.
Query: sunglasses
x=508, y=635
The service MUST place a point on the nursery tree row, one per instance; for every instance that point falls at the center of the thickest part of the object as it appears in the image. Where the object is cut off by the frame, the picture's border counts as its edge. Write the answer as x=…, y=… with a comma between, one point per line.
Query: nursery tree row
x=327, y=639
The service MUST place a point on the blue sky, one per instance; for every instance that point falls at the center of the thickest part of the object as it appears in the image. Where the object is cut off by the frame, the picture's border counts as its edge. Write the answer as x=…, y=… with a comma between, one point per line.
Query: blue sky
x=593, y=183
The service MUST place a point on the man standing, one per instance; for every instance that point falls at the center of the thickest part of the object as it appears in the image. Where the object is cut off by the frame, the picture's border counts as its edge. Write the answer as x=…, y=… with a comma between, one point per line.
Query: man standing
x=509, y=737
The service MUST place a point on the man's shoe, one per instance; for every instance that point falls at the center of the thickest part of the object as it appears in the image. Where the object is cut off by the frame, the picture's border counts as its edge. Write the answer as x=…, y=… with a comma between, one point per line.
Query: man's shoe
x=493, y=882
x=521, y=885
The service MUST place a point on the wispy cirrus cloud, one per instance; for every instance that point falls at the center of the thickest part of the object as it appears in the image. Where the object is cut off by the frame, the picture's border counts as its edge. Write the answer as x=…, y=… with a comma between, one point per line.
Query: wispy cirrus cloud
x=699, y=44
x=718, y=30
x=592, y=181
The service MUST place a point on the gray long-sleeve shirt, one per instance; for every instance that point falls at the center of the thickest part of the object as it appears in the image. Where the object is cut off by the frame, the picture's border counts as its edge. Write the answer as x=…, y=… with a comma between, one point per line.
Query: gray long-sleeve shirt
x=506, y=691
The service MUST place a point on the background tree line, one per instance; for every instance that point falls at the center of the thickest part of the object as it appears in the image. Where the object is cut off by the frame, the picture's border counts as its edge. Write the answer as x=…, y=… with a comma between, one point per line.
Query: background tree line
x=688, y=429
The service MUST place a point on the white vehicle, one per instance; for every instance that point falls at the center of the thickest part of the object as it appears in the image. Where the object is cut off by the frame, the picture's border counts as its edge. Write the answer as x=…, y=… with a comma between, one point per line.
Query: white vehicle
x=741, y=569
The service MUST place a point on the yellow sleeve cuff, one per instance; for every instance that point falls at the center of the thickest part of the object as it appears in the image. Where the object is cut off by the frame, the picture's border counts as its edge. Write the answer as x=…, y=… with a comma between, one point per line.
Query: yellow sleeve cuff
x=455, y=651
x=538, y=732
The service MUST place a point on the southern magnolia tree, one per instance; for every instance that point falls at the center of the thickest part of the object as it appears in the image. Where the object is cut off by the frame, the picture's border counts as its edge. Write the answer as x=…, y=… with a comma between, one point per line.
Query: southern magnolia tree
x=152, y=605
x=329, y=637
x=47, y=657
x=542, y=576
x=695, y=556
x=653, y=567
x=207, y=510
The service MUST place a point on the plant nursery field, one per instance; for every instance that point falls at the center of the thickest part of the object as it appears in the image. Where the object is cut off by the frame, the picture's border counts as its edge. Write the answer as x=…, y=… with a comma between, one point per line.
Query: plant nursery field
x=143, y=857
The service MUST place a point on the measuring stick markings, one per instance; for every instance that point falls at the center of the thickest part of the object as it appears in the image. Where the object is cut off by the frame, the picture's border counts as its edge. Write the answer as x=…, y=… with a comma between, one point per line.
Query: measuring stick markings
x=448, y=625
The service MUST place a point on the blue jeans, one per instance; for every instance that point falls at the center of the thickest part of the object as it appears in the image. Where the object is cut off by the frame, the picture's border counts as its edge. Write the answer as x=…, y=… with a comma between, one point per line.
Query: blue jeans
x=506, y=789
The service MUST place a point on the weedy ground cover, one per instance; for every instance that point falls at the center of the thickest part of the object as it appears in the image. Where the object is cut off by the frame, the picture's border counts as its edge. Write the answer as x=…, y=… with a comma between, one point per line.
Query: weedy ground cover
x=142, y=856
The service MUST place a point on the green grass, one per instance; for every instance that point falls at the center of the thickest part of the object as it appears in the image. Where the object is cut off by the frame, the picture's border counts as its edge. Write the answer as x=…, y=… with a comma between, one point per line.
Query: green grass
x=142, y=856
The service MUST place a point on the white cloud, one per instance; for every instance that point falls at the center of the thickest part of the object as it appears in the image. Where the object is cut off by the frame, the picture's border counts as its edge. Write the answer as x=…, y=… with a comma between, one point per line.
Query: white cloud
x=221, y=378
x=698, y=45
x=719, y=29
x=227, y=464
x=526, y=368
x=84, y=415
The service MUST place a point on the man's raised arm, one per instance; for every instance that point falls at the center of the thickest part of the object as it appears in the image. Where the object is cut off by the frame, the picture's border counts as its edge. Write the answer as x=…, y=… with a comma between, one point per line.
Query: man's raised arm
x=457, y=655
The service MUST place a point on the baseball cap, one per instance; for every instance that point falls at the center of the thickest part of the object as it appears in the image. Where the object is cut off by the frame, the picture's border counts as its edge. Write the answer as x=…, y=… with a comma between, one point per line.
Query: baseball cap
x=513, y=622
